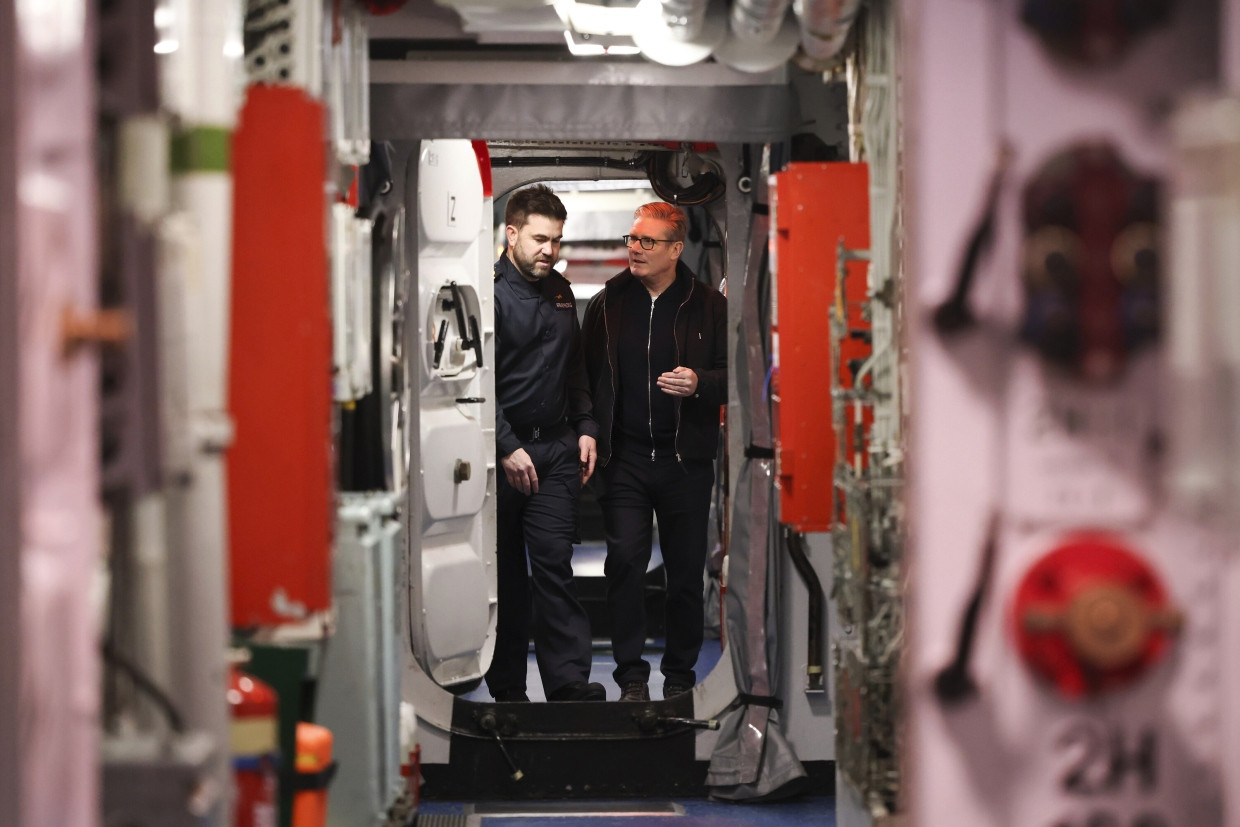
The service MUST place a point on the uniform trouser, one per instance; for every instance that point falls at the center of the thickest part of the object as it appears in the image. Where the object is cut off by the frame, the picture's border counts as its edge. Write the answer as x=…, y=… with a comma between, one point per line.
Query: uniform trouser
x=678, y=495
x=544, y=524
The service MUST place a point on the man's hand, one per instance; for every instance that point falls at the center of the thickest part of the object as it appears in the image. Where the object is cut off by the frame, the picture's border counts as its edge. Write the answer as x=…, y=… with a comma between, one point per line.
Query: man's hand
x=679, y=382
x=588, y=454
x=519, y=469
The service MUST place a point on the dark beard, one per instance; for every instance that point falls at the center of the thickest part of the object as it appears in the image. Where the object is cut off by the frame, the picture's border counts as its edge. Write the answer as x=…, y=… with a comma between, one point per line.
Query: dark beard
x=526, y=269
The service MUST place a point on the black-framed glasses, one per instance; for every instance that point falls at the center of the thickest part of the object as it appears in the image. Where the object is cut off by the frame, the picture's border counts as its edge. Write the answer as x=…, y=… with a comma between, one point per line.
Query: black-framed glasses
x=647, y=243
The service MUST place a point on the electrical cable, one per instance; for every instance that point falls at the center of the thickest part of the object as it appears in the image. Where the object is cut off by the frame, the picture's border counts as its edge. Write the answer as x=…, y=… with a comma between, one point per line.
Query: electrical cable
x=143, y=682
x=794, y=541
x=638, y=161
x=707, y=186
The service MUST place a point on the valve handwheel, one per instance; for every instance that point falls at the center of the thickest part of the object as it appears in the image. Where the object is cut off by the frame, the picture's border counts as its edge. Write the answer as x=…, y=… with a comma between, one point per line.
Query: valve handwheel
x=1092, y=616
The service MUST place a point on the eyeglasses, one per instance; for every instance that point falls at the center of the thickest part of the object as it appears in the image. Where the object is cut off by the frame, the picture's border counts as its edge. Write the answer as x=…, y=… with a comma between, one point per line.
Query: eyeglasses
x=647, y=243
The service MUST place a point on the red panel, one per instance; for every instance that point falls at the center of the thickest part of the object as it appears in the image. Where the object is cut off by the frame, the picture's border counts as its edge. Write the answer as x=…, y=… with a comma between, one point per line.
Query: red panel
x=484, y=166
x=279, y=467
x=816, y=206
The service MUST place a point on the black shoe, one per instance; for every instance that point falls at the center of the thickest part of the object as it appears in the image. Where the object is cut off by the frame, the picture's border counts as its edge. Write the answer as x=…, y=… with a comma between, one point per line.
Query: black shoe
x=511, y=696
x=673, y=688
x=635, y=691
x=579, y=691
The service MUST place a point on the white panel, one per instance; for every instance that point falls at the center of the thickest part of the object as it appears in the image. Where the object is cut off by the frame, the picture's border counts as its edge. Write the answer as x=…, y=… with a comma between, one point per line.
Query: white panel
x=449, y=202
x=454, y=473
x=359, y=697
x=1076, y=452
x=351, y=289
x=454, y=585
x=452, y=524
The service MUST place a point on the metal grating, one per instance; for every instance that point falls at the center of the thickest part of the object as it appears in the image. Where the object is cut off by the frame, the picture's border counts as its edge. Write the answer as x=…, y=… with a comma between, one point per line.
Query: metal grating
x=448, y=820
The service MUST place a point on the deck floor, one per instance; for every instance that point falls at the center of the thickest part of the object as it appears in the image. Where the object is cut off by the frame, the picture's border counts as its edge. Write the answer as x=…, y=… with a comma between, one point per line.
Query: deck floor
x=817, y=810
x=684, y=812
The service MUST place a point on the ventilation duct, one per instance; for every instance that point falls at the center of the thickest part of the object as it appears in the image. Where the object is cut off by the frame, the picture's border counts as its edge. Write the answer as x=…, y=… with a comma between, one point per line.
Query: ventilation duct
x=679, y=32
x=761, y=36
x=757, y=20
x=684, y=18
x=824, y=28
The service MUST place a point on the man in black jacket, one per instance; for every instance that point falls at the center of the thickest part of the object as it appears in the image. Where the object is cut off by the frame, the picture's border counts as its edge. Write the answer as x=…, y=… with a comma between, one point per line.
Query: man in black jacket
x=544, y=439
x=657, y=356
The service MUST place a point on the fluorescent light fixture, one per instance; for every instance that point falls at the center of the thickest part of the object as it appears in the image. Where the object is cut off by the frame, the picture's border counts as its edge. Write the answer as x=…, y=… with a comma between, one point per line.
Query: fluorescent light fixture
x=589, y=18
x=165, y=21
x=586, y=44
x=583, y=49
x=613, y=17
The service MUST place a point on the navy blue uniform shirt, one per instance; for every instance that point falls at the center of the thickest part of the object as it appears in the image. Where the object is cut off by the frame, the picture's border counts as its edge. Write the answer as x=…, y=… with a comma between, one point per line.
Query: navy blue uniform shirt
x=540, y=375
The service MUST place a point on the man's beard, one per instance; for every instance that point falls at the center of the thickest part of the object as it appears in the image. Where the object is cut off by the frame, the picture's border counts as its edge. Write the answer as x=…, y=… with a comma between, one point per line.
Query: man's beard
x=526, y=266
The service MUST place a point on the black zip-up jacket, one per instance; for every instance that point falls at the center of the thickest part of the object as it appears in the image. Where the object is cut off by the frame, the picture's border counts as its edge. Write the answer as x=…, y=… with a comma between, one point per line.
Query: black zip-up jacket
x=701, y=344
x=540, y=376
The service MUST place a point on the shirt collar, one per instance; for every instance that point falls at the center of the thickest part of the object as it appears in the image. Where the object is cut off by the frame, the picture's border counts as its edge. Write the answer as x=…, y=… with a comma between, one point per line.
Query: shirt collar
x=509, y=272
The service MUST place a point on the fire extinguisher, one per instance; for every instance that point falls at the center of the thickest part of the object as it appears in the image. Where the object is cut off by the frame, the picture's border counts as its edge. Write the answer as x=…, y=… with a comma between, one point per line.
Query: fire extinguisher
x=254, y=741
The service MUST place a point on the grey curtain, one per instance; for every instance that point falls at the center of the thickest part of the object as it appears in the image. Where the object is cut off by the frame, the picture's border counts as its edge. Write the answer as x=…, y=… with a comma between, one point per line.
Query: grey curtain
x=722, y=114
x=752, y=759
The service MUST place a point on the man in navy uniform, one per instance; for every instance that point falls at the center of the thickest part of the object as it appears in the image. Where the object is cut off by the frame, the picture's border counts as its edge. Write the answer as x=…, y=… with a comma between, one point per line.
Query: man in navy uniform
x=656, y=348
x=544, y=438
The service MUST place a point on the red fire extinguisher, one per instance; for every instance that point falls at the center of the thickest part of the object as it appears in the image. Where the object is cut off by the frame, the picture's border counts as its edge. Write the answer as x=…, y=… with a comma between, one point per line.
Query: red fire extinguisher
x=254, y=741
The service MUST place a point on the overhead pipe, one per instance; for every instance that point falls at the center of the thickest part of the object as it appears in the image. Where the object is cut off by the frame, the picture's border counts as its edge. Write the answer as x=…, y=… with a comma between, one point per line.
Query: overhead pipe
x=824, y=29
x=684, y=18
x=757, y=21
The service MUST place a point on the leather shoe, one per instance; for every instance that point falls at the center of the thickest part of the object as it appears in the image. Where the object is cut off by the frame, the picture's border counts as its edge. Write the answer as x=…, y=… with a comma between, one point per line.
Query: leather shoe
x=672, y=688
x=579, y=691
x=511, y=696
x=635, y=691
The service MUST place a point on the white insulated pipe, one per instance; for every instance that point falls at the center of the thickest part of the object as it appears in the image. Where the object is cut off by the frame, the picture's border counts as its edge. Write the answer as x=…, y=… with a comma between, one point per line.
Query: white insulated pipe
x=757, y=21
x=684, y=18
x=824, y=28
x=201, y=75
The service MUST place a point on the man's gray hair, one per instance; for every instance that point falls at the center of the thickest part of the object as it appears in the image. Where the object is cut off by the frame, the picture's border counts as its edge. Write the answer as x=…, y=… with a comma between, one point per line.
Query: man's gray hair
x=668, y=213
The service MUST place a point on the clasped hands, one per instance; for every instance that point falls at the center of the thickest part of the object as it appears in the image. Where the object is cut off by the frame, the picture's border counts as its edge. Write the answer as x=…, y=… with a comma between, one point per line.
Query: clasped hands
x=680, y=381
x=519, y=467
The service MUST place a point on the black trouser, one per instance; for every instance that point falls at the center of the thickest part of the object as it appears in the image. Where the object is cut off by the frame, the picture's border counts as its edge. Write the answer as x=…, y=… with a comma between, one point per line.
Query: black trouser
x=678, y=494
x=544, y=523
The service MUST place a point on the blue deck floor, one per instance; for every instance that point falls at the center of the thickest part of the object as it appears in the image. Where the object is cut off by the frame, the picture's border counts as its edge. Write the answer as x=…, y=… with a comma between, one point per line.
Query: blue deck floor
x=652, y=813
x=601, y=666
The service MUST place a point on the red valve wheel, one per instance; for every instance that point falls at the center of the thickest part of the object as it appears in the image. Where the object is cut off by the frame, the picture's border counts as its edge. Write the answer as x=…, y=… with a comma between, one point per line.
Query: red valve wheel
x=1092, y=616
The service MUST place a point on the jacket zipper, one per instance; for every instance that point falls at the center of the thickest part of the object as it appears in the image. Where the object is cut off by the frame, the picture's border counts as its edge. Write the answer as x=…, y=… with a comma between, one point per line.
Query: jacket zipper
x=649, y=378
x=676, y=345
x=611, y=435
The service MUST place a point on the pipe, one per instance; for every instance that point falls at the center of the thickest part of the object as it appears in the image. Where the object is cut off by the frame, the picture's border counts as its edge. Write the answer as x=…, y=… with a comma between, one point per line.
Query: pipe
x=684, y=18
x=824, y=28
x=757, y=21
x=814, y=674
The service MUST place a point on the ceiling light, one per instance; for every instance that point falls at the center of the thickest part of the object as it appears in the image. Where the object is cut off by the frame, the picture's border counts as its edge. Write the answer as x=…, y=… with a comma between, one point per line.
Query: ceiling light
x=583, y=49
